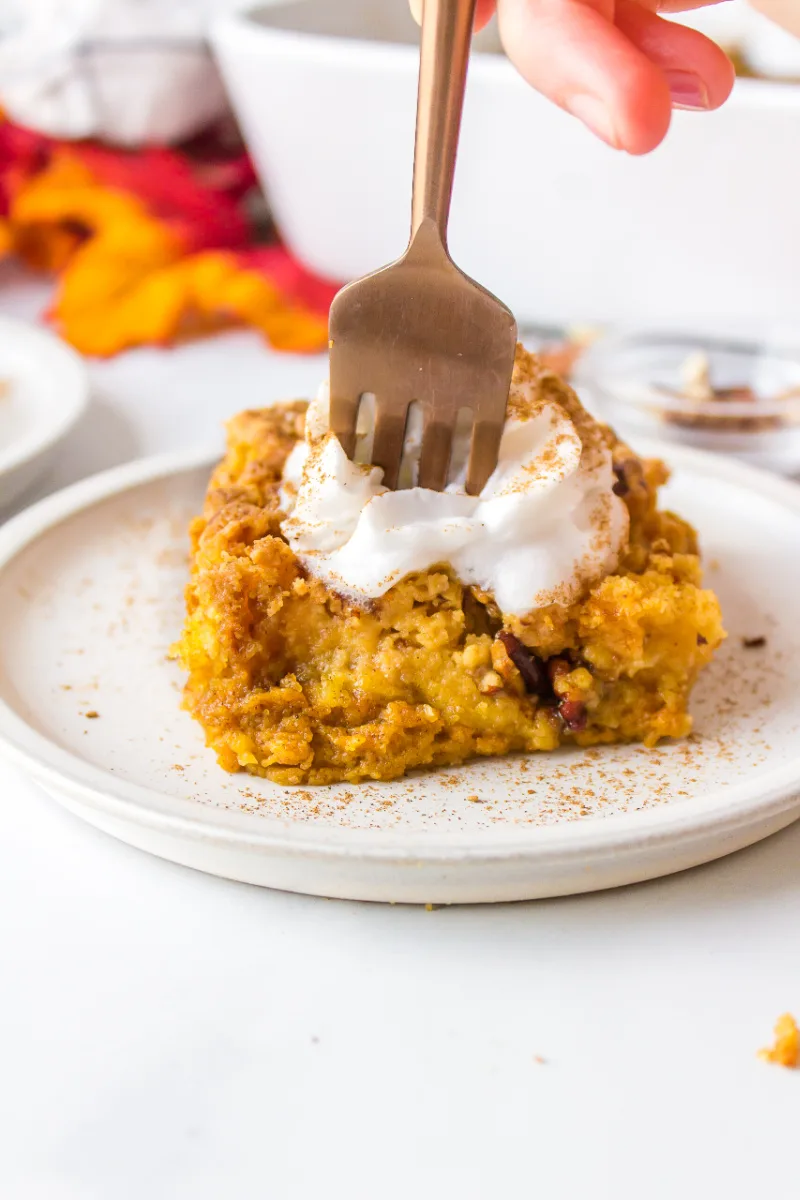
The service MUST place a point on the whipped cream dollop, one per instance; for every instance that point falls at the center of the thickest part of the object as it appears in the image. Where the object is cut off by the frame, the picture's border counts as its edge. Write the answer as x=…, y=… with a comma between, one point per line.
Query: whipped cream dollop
x=545, y=525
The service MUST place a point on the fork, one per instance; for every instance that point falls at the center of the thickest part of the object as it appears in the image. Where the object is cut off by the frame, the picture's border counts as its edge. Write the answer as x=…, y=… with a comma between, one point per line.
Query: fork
x=420, y=330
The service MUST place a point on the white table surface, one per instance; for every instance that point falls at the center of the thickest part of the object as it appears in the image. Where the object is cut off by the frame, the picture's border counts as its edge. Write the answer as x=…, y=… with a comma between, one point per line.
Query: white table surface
x=167, y=1035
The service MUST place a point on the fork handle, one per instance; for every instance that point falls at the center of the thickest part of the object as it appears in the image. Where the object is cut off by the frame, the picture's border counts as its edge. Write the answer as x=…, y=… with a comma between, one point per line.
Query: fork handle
x=444, y=55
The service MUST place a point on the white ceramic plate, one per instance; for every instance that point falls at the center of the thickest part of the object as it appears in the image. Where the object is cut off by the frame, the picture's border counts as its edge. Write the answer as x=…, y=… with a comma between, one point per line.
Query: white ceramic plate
x=90, y=600
x=44, y=390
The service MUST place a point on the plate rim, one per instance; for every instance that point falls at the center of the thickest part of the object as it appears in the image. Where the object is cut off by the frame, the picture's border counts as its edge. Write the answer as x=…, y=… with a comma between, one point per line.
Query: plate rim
x=66, y=363
x=58, y=768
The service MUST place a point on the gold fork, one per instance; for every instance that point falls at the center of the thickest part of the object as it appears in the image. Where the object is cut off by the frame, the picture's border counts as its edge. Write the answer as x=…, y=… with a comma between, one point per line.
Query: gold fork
x=420, y=330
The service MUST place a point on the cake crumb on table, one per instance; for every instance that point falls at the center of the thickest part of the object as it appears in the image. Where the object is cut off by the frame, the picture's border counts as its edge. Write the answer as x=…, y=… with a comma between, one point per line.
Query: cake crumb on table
x=785, y=1051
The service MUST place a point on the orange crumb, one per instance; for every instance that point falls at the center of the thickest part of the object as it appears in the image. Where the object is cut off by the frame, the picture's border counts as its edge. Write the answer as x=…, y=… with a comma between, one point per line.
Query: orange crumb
x=786, y=1049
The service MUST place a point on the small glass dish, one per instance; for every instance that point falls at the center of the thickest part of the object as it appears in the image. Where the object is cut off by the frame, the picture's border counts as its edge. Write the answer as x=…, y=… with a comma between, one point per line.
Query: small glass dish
x=730, y=397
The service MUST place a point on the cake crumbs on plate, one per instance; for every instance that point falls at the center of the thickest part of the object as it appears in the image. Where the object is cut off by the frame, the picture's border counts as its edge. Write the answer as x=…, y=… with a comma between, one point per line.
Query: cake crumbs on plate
x=785, y=1051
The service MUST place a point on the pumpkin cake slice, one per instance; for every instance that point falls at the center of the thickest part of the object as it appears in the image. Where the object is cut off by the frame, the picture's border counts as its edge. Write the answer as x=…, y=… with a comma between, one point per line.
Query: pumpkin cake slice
x=336, y=631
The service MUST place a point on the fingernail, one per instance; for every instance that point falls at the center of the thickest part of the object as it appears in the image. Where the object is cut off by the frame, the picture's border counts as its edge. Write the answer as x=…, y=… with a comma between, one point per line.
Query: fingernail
x=594, y=113
x=688, y=91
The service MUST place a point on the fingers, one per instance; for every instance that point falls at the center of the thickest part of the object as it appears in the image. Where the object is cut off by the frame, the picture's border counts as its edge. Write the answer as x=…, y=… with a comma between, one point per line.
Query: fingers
x=573, y=53
x=698, y=74
x=618, y=67
x=678, y=6
x=614, y=64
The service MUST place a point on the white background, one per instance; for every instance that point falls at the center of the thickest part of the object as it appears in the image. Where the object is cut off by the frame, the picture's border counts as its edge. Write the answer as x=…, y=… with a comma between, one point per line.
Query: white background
x=170, y=1036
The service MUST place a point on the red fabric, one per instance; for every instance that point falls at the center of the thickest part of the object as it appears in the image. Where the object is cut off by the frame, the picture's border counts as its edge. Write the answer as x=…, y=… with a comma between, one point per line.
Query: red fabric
x=290, y=277
x=202, y=192
x=204, y=200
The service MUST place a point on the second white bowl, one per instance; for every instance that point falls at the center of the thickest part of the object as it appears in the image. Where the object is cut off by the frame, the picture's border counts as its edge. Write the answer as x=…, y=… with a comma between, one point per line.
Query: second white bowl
x=703, y=232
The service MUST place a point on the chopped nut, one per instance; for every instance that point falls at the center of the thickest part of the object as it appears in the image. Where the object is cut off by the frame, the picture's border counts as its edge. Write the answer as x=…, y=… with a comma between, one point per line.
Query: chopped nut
x=573, y=714
x=529, y=665
x=571, y=685
x=697, y=378
x=476, y=654
x=629, y=475
x=506, y=669
x=557, y=669
x=490, y=683
x=754, y=643
x=621, y=487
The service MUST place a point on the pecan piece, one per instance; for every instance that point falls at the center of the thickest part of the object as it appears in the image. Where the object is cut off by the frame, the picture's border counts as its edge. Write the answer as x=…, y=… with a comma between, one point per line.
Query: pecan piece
x=573, y=714
x=571, y=709
x=629, y=476
x=529, y=665
x=490, y=684
x=556, y=668
x=621, y=487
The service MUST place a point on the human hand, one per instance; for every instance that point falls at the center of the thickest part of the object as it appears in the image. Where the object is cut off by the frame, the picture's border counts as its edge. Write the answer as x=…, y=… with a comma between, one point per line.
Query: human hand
x=615, y=64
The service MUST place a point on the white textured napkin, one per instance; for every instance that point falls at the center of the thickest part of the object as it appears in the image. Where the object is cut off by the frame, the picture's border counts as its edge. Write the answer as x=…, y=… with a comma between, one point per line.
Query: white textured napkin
x=128, y=71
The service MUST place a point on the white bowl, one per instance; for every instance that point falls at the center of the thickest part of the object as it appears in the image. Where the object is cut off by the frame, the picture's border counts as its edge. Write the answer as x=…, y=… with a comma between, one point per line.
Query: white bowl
x=703, y=232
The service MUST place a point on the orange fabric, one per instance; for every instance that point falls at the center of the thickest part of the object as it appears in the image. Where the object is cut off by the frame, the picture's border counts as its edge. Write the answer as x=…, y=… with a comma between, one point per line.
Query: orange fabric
x=150, y=247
